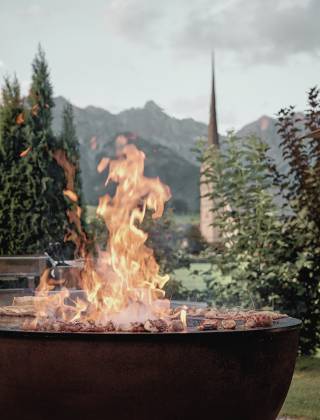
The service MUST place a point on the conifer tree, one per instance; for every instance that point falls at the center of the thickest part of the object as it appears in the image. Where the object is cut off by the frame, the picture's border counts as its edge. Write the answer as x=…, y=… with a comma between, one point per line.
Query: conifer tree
x=15, y=198
x=49, y=204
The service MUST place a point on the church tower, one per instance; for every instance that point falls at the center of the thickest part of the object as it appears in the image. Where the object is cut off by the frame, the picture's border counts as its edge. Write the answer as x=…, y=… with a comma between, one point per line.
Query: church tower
x=210, y=233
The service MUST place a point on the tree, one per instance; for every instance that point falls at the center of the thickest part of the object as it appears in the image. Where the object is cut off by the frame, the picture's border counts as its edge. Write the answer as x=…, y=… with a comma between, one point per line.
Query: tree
x=248, y=222
x=15, y=198
x=271, y=249
x=300, y=193
x=49, y=205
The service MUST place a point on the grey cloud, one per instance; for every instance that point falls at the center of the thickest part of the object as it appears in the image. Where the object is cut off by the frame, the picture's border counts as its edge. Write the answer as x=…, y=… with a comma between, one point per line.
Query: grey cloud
x=134, y=19
x=259, y=30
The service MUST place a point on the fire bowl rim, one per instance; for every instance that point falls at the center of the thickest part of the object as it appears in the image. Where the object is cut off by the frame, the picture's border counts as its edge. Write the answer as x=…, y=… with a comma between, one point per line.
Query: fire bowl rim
x=282, y=325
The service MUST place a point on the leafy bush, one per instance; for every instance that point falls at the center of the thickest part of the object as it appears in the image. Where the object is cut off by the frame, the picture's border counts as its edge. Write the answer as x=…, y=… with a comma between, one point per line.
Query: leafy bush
x=271, y=248
x=248, y=221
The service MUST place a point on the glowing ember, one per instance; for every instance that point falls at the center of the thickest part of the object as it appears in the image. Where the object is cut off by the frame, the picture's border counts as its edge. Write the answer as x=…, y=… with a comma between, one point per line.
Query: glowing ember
x=123, y=285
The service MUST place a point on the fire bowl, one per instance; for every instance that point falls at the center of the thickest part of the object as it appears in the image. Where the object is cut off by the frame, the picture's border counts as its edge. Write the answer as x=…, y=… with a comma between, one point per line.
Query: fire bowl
x=222, y=375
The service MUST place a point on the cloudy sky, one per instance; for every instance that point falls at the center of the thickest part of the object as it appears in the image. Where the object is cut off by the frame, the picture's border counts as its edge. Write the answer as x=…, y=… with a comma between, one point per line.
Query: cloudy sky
x=120, y=53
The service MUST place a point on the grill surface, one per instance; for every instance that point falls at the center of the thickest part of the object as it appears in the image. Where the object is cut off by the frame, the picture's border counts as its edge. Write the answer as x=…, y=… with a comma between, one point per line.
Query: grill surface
x=223, y=375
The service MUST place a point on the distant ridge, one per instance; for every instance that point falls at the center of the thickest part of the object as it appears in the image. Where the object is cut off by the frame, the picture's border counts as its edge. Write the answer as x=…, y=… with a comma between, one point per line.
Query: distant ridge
x=167, y=142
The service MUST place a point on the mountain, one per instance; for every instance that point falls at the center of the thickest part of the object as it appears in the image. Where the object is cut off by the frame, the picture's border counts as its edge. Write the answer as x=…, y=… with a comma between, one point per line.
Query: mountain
x=166, y=141
x=149, y=122
x=266, y=129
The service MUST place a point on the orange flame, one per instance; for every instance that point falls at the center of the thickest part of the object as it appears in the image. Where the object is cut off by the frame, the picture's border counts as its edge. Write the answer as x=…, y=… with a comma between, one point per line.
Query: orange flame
x=78, y=235
x=124, y=283
x=24, y=153
x=20, y=118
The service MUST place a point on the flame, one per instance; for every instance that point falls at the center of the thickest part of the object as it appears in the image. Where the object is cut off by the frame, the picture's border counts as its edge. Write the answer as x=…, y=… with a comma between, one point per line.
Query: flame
x=183, y=317
x=24, y=153
x=104, y=162
x=77, y=235
x=124, y=283
x=71, y=195
x=20, y=119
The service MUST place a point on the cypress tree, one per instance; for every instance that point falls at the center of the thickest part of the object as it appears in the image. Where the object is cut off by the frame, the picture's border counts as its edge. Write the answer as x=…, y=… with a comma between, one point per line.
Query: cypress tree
x=15, y=198
x=49, y=205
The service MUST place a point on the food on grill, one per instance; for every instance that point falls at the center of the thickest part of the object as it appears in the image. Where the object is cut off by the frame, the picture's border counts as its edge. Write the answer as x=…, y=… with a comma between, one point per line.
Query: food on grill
x=250, y=323
x=149, y=326
x=263, y=320
x=28, y=300
x=273, y=315
x=228, y=324
x=27, y=310
x=176, y=325
x=212, y=319
x=158, y=325
x=209, y=324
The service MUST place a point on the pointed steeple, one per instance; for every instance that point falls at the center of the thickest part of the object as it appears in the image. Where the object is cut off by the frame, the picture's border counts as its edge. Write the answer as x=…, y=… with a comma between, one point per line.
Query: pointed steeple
x=208, y=231
x=213, y=136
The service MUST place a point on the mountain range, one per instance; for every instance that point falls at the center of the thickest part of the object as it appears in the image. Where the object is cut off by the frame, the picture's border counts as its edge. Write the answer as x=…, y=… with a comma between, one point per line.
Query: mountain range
x=168, y=144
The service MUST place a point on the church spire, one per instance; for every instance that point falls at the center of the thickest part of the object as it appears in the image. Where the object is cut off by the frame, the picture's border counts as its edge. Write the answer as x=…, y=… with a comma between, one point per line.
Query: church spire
x=208, y=230
x=213, y=136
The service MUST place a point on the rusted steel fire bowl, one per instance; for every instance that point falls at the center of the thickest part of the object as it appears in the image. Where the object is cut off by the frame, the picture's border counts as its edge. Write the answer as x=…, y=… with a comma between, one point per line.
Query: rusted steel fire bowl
x=222, y=375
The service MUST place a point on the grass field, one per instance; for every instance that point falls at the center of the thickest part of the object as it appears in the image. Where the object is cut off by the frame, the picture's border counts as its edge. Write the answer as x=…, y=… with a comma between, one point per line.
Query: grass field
x=303, y=400
x=190, y=218
x=193, y=278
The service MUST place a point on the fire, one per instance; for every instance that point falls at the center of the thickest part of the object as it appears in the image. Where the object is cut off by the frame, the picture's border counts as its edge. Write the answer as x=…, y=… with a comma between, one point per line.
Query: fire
x=25, y=152
x=124, y=283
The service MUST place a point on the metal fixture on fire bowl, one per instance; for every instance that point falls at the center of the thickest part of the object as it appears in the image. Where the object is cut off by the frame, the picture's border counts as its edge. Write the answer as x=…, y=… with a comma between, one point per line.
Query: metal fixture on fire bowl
x=223, y=375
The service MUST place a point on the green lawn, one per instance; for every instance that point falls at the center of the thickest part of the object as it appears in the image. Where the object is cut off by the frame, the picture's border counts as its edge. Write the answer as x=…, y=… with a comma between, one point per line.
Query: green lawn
x=304, y=396
x=192, y=278
x=188, y=218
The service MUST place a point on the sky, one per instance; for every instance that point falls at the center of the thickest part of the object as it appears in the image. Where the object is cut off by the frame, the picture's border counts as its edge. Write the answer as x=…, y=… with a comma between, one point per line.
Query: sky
x=118, y=54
